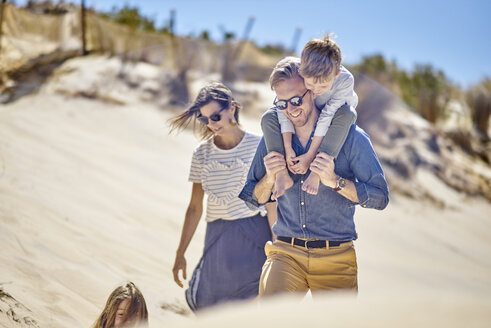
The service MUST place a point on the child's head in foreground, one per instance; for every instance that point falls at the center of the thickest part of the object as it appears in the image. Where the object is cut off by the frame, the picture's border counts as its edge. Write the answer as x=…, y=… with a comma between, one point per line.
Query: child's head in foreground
x=125, y=307
x=320, y=63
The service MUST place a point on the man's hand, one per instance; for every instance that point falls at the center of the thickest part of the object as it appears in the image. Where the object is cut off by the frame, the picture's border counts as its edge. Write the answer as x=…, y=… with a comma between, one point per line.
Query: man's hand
x=323, y=165
x=274, y=163
x=179, y=265
x=302, y=163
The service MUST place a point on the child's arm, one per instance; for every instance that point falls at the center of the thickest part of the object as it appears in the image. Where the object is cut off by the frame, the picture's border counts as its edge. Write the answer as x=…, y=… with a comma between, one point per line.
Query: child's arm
x=342, y=93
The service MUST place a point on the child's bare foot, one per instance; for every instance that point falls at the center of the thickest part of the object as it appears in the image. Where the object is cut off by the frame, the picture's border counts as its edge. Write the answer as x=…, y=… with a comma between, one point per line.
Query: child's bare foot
x=282, y=183
x=311, y=184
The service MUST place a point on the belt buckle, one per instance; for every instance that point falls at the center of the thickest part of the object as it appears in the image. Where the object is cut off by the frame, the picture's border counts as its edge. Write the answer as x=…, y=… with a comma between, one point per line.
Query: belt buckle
x=306, y=244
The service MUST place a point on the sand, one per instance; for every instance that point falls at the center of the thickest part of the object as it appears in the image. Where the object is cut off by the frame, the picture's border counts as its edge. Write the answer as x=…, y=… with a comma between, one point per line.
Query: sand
x=93, y=194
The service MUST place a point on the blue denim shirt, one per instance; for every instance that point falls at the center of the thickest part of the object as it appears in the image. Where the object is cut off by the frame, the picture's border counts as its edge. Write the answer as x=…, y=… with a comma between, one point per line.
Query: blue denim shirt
x=327, y=215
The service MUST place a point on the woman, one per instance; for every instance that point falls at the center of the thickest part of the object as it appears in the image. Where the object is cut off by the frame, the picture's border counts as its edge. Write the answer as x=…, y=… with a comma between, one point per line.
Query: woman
x=125, y=307
x=233, y=255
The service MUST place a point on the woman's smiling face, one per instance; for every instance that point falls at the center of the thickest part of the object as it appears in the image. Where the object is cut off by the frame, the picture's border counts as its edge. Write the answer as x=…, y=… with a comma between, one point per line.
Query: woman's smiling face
x=223, y=125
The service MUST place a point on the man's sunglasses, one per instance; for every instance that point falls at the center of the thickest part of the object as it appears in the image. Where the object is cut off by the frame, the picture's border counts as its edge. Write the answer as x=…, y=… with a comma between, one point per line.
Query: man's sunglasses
x=295, y=101
x=215, y=117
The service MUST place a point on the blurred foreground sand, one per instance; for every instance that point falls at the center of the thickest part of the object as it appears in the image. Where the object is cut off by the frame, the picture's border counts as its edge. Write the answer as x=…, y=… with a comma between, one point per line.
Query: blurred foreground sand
x=93, y=194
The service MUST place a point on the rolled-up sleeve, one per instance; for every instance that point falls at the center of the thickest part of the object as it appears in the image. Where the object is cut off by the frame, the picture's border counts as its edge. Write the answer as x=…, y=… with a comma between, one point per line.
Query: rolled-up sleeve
x=371, y=185
x=374, y=194
x=247, y=195
x=256, y=173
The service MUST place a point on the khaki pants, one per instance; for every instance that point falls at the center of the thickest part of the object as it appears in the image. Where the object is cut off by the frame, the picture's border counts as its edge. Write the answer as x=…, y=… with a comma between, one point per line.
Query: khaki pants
x=295, y=269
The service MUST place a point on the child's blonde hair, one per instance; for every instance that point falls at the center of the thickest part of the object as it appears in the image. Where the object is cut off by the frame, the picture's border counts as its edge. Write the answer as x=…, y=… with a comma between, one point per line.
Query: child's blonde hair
x=320, y=59
x=137, y=311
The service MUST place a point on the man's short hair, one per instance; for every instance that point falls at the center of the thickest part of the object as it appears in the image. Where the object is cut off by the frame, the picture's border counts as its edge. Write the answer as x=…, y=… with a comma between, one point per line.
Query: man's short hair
x=321, y=59
x=285, y=69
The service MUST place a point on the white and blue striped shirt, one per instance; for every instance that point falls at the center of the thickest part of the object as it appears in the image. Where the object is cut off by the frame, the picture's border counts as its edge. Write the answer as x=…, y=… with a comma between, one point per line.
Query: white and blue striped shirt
x=223, y=174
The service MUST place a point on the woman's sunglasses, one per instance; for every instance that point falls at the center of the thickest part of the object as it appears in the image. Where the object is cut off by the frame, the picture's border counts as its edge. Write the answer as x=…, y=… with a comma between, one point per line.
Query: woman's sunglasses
x=295, y=101
x=215, y=117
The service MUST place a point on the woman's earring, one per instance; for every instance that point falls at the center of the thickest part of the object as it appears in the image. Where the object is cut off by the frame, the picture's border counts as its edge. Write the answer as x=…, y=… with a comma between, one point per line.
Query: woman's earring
x=233, y=121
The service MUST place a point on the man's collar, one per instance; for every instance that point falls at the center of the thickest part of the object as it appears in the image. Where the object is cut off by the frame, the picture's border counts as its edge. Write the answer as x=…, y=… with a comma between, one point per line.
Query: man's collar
x=296, y=141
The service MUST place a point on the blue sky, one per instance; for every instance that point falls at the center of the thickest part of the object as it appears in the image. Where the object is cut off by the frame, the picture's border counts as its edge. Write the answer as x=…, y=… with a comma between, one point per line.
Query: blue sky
x=450, y=35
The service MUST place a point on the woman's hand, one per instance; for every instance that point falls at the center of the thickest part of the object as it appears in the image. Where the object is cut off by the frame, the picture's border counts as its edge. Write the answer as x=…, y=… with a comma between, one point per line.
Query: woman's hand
x=179, y=265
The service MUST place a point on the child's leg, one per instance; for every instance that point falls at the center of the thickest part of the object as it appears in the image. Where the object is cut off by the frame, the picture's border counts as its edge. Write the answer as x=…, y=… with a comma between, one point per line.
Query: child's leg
x=338, y=131
x=271, y=132
x=274, y=142
x=332, y=143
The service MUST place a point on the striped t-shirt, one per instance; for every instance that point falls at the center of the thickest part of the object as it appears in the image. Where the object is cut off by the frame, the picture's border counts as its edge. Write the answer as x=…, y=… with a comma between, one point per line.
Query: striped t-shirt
x=223, y=174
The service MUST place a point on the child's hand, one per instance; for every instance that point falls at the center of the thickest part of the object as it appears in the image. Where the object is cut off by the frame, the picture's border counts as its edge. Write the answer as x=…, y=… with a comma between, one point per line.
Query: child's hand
x=289, y=156
x=302, y=163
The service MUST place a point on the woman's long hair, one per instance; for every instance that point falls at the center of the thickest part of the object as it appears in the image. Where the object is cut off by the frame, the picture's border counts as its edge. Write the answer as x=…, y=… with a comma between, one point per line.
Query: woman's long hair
x=213, y=91
x=137, y=311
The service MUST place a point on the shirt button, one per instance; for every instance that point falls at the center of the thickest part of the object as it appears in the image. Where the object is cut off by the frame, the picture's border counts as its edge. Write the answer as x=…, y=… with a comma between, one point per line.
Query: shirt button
x=304, y=226
x=301, y=203
x=301, y=181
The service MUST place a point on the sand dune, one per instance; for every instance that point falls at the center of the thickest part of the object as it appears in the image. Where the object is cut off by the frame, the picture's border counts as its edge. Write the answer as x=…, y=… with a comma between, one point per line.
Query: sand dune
x=425, y=310
x=93, y=194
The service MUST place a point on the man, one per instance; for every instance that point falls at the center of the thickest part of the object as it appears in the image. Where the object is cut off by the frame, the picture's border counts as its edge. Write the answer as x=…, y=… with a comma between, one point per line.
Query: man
x=314, y=245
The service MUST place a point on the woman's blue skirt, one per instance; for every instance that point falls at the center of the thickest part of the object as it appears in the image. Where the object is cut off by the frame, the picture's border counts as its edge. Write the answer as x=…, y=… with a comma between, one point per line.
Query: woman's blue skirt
x=231, y=264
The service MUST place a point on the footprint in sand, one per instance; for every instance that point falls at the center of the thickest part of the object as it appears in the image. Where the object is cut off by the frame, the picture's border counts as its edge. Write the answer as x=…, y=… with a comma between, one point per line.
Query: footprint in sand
x=176, y=308
x=14, y=312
